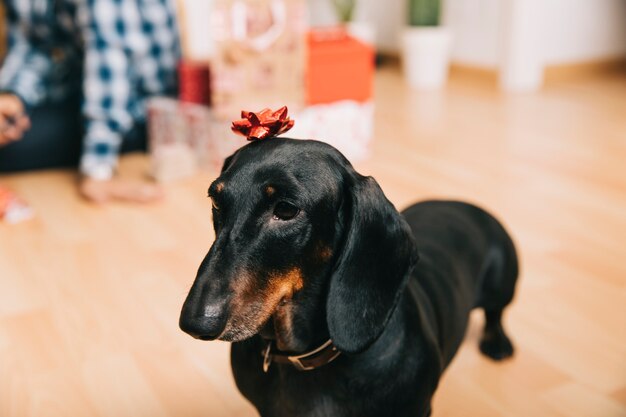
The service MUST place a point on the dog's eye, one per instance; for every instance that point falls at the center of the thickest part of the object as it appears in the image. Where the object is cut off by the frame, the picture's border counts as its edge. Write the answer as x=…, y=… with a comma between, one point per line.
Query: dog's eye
x=285, y=211
x=214, y=204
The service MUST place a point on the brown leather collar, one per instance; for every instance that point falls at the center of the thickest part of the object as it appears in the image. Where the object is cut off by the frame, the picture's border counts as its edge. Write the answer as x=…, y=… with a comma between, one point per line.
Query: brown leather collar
x=304, y=362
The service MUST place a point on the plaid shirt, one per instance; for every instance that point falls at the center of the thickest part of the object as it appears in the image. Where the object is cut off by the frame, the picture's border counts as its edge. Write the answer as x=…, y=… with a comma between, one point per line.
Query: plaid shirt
x=118, y=51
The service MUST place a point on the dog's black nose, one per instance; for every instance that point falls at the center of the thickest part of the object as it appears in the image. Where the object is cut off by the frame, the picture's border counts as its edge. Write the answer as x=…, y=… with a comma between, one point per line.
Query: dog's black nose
x=207, y=326
x=202, y=327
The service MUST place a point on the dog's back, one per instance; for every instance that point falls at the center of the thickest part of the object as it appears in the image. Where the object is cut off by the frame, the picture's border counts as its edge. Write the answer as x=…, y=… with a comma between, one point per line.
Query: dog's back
x=467, y=260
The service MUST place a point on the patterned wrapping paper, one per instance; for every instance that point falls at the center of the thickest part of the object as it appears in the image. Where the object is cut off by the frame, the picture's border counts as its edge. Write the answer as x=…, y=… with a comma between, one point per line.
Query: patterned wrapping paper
x=225, y=143
x=259, y=56
x=185, y=137
x=347, y=125
x=175, y=151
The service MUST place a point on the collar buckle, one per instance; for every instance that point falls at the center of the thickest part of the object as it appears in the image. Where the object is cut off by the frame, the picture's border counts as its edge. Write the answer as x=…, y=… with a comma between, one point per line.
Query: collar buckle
x=295, y=361
x=267, y=358
x=308, y=361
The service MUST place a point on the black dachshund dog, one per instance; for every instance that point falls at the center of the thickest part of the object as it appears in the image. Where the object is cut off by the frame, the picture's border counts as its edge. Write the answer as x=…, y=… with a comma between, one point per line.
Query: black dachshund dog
x=314, y=276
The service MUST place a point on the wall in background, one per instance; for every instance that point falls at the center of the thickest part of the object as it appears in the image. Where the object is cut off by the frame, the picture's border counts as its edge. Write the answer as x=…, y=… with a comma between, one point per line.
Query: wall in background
x=571, y=30
x=321, y=12
x=584, y=30
x=477, y=27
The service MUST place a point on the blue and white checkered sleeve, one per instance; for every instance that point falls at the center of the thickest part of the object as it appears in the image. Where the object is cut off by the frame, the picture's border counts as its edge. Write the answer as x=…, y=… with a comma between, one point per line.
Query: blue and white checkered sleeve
x=107, y=85
x=160, y=52
x=130, y=45
x=24, y=69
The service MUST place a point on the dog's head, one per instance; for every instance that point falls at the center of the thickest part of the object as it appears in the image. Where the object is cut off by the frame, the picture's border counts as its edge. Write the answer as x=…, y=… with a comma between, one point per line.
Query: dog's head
x=297, y=226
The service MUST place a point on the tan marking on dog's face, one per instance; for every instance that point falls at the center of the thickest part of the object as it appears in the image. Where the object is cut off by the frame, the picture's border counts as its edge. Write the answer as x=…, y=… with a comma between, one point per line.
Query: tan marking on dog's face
x=324, y=253
x=269, y=190
x=292, y=279
x=253, y=305
x=219, y=187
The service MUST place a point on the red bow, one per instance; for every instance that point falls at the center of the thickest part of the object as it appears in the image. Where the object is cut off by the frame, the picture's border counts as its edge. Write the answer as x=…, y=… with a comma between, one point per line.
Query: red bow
x=262, y=125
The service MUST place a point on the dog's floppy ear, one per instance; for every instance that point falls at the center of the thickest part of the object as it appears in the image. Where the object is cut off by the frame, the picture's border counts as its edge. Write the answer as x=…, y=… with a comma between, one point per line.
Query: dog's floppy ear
x=371, y=271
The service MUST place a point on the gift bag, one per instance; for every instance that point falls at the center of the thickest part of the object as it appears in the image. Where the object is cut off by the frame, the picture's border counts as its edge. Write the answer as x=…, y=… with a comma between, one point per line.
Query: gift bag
x=259, y=56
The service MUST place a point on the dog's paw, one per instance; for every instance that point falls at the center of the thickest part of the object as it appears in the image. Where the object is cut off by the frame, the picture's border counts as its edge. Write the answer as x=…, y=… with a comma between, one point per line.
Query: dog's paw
x=496, y=346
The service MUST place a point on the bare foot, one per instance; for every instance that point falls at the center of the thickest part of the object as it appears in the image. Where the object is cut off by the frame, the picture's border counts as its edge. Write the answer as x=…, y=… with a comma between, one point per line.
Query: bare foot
x=101, y=192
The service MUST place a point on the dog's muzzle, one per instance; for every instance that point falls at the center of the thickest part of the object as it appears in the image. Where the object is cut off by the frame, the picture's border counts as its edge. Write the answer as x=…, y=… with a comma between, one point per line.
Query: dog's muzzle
x=208, y=325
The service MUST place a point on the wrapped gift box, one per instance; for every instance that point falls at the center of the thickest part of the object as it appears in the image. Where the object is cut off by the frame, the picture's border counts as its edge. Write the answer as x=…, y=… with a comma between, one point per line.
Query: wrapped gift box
x=174, y=150
x=347, y=125
x=184, y=137
x=339, y=67
x=259, y=56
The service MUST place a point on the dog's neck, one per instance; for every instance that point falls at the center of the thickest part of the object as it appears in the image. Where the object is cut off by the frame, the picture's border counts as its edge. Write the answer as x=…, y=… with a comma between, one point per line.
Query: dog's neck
x=296, y=329
x=298, y=324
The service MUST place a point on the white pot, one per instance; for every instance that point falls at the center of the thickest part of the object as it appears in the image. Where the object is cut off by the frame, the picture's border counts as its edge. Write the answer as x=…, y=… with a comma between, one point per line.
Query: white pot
x=426, y=56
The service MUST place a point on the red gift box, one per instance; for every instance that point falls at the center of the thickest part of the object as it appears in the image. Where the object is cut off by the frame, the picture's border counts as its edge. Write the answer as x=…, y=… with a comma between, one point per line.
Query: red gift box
x=340, y=67
x=194, y=82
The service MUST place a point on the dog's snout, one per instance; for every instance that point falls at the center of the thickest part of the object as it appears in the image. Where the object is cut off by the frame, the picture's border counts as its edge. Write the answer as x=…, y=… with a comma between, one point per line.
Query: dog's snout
x=203, y=328
x=208, y=325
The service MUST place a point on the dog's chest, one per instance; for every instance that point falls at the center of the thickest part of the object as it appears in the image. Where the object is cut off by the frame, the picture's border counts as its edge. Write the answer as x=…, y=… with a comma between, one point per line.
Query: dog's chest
x=286, y=392
x=274, y=396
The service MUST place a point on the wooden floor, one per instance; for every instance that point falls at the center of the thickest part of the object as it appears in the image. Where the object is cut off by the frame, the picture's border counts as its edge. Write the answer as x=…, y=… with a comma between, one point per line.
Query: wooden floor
x=90, y=296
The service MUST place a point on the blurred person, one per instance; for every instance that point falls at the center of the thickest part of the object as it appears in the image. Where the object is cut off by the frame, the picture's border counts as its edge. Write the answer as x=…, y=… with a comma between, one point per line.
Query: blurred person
x=73, y=86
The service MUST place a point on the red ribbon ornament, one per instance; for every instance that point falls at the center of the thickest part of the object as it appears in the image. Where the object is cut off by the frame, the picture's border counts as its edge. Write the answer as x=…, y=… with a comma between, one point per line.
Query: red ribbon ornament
x=263, y=125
